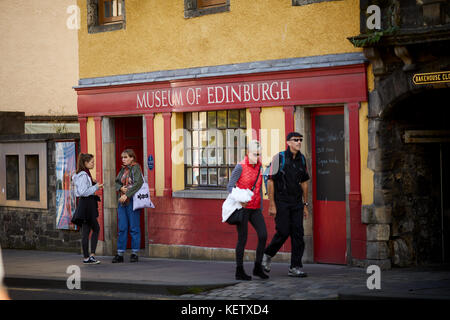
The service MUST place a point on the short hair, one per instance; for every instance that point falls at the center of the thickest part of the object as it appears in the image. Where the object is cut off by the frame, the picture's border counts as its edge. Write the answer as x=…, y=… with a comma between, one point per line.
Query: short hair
x=293, y=134
x=253, y=146
x=130, y=153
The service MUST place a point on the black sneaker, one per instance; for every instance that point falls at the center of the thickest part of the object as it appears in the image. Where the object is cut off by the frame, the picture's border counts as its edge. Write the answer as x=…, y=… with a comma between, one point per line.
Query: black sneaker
x=91, y=260
x=133, y=258
x=117, y=259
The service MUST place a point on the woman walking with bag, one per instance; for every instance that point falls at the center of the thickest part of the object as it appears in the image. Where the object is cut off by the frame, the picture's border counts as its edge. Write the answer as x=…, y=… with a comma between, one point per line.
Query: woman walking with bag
x=87, y=208
x=128, y=182
x=246, y=175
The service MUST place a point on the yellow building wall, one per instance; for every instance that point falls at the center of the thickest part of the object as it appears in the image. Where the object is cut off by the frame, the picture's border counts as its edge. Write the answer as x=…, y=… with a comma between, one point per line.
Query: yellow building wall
x=39, y=57
x=366, y=173
x=158, y=37
x=177, y=152
x=159, y=154
x=272, y=133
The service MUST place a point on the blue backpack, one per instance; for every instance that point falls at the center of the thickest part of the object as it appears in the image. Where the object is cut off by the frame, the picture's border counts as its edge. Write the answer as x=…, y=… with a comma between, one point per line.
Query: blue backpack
x=266, y=172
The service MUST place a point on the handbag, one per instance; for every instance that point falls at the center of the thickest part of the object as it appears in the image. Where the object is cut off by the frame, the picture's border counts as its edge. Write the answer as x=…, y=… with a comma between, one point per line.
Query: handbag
x=238, y=215
x=141, y=199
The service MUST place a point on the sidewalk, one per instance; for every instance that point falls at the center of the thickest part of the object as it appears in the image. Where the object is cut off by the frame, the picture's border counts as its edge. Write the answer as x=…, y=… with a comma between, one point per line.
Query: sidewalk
x=189, y=279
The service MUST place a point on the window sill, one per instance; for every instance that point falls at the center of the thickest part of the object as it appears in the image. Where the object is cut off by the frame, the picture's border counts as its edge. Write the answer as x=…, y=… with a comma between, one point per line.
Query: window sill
x=200, y=194
x=192, y=13
x=111, y=26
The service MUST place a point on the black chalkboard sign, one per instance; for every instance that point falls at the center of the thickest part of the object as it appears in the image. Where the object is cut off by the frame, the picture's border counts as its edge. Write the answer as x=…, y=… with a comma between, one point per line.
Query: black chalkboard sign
x=330, y=165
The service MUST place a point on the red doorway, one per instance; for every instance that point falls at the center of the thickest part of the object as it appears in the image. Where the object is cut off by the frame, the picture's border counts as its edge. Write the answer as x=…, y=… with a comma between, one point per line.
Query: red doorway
x=129, y=136
x=328, y=168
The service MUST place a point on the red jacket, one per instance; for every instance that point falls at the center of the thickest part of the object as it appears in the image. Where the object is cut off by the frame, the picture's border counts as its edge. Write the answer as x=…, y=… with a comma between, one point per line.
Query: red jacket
x=247, y=179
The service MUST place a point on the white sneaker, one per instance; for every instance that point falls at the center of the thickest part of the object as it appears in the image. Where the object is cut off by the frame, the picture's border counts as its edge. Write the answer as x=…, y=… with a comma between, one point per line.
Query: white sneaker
x=267, y=260
x=91, y=260
x=297, y=272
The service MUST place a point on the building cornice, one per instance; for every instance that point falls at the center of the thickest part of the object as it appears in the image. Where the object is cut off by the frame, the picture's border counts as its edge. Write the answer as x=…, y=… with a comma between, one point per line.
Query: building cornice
x=277, y=65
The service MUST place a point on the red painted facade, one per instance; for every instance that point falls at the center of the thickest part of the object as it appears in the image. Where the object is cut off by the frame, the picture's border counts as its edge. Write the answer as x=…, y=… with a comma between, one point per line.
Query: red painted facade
x=149, y=121
x=358, y=230
x=186, y=221
x=329, y=227
x=306, y=87
x=99, y=173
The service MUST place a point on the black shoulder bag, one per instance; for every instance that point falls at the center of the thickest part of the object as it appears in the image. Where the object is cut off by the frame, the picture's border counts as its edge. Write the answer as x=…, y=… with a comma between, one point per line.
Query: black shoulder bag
x=238, y=215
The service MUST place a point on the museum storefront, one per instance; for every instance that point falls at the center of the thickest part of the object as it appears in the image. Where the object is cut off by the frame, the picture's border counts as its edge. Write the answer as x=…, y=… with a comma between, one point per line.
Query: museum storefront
x=190, y=127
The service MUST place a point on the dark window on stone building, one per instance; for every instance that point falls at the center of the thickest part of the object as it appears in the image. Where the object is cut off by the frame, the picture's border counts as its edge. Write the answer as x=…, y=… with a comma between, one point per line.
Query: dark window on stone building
x=12, y=177
x=32, y=177
x=196, y=8
x=23, y=174
x=105, y=15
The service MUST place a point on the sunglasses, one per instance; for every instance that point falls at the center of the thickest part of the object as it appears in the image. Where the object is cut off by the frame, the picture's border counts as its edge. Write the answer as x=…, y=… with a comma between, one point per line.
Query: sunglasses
x=296, y=140
x=256, y=154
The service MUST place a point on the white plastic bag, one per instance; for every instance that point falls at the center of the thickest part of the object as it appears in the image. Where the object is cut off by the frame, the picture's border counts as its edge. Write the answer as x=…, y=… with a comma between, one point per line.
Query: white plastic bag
x=233, y=201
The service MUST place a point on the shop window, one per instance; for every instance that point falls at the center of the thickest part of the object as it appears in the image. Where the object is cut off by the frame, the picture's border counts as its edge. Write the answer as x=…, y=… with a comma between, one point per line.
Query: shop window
x=105, y=15
x=23, y=175
x=196, y=8
x=215, y=141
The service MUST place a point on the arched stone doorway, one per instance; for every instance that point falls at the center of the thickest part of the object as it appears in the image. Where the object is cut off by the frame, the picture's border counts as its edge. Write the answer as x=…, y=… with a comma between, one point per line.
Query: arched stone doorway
x=410, y=155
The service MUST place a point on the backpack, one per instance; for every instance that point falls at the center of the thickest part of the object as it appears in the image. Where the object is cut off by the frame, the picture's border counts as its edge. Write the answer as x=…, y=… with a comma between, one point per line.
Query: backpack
x=266, y=172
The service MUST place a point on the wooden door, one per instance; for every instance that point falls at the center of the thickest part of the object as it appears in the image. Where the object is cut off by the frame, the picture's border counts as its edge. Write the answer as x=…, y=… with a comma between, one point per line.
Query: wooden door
x=129, y=136
x=328, y=168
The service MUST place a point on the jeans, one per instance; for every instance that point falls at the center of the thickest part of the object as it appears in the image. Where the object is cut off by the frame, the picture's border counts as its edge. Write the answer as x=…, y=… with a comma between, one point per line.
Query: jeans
x=288, y=222
x=129, y=219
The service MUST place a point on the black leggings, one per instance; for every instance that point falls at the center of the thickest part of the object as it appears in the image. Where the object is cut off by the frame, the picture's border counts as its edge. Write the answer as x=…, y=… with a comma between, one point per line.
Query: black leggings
x=257, y=220
x=86, y=229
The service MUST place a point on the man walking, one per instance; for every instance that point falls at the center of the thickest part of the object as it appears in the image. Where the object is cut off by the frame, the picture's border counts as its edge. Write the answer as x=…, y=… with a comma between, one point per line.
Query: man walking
x=287, y=188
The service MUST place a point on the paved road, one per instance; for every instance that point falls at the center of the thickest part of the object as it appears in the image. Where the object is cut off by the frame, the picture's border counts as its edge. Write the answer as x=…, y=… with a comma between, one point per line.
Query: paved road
x=330, y=282
x=16, y=293
x=214, y=280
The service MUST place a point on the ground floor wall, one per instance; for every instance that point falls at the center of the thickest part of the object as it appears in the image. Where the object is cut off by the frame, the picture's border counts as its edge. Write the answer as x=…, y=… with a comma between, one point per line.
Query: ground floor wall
x=187, y=224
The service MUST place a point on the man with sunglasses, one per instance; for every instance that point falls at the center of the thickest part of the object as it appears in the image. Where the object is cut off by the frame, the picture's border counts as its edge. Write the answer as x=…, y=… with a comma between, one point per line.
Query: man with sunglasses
x=288, y=203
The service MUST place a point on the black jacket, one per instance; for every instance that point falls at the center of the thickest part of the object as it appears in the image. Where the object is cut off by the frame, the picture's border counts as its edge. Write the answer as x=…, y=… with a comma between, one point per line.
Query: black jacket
x=86, y=211
x=287, y=180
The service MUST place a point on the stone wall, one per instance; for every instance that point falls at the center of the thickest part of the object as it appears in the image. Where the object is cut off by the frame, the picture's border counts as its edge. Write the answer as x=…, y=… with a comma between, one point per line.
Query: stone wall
x=404, y=221
x=28, y=228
